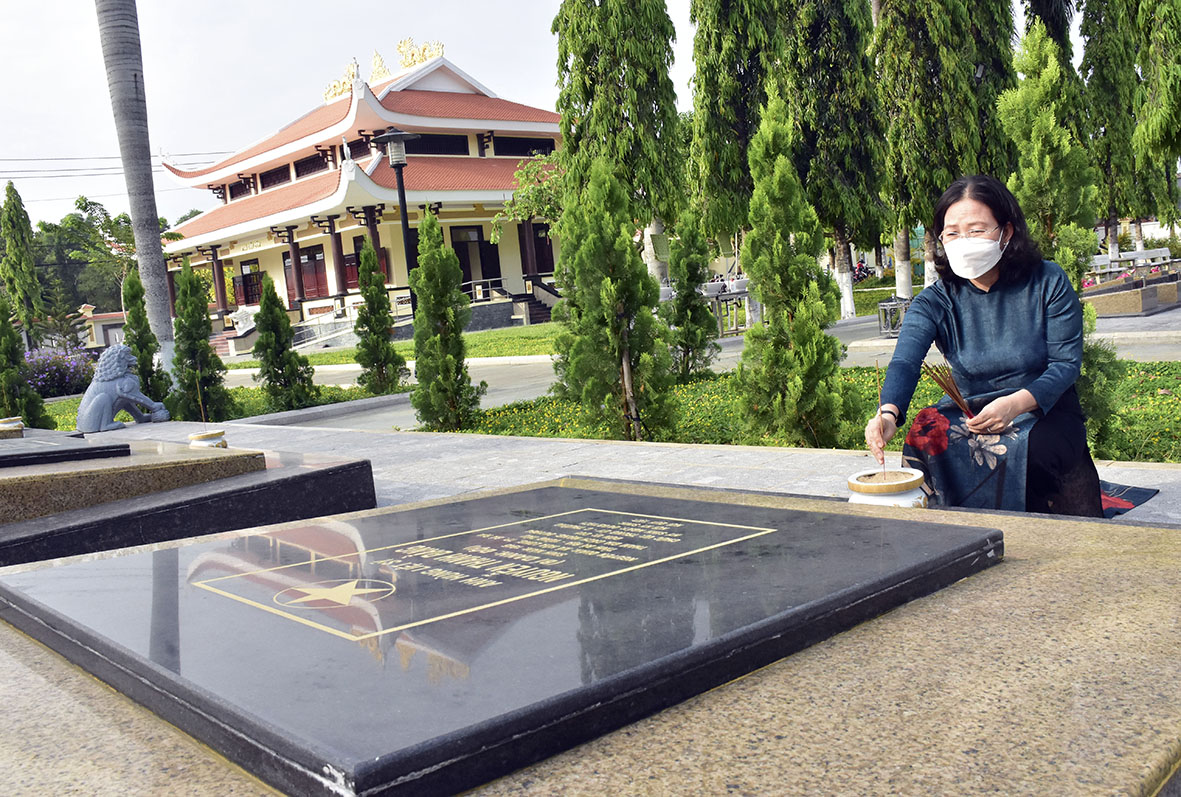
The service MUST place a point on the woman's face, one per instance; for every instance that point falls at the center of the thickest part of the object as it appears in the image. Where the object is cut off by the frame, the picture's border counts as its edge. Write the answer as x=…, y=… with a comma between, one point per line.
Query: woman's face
x=973, y=219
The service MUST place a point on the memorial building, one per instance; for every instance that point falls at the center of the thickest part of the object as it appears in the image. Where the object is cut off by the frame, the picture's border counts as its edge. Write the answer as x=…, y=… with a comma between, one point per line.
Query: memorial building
x=311, y=193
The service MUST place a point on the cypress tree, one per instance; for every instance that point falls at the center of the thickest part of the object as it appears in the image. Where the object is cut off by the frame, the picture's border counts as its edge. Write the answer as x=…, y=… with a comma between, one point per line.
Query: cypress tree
x=1108, y=67
x=611, y=358
x=63, y=325
x=1054, y=181
x=693, y=329
x=1055, y=185
x=199, y=393
x=285, y=374
x=836, y=125
x=617, y=100
x=1055, y=16
x=926, y=58
x=153, y=380
x=444, y=397
x=383, y=368
x=736, y=45
x=993, y=32
x=1158, y=124
x=787, y=378
x=20, y=278
x=16, y=396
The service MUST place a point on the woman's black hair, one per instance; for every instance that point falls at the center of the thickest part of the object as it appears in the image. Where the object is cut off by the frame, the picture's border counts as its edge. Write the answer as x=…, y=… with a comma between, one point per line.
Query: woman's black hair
x=1021, y=254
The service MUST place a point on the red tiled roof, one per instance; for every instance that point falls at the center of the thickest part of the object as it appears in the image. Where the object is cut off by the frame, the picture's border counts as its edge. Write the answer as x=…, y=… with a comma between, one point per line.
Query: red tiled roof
x=320, y=119
x=450, y=173
x=264, y=204
x=452, y=105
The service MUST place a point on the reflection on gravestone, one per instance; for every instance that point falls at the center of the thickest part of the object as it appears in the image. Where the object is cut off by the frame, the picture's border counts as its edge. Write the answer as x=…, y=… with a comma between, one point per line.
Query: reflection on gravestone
x=427, y=650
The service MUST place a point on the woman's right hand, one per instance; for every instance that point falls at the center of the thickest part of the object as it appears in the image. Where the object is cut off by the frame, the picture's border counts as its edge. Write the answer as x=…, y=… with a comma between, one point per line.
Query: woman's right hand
x=879, y=431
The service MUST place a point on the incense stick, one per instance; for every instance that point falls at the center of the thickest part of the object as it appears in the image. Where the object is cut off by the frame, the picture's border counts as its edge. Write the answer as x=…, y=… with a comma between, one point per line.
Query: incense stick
x=941, y=375
x=877, y=372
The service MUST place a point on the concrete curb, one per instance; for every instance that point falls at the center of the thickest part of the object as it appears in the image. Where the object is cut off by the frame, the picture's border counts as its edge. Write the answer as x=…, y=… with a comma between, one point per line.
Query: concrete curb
x=338, y=368
x=1115, y=338
x=338, y=409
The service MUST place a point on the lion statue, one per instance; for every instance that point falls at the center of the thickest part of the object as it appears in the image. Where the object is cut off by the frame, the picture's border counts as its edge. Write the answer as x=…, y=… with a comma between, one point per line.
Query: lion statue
x=115, y=388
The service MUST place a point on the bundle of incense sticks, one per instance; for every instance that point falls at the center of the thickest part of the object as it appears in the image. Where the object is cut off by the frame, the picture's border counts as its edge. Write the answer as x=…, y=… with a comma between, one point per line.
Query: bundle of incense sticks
x=941, y=375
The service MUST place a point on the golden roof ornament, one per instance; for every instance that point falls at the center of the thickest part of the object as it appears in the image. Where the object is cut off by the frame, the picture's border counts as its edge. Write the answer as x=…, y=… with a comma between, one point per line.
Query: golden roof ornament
x=338, y=88
x=411, y=54
x=378, y=70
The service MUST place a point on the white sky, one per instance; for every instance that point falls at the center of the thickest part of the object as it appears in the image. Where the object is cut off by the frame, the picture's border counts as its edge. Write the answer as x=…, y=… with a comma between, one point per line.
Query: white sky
x=221, y=74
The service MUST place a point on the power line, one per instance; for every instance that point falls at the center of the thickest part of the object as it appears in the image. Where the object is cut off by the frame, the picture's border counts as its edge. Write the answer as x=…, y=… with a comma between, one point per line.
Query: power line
x=111, y=157
x=91, y=170
x=72, y=176
x=100, y=196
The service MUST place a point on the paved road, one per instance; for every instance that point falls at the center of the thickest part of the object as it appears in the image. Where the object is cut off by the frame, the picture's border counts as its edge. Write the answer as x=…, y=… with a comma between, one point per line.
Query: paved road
x=510, y=379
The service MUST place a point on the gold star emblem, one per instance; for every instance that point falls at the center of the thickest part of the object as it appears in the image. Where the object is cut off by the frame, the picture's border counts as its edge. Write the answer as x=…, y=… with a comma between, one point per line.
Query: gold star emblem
x=339, y=593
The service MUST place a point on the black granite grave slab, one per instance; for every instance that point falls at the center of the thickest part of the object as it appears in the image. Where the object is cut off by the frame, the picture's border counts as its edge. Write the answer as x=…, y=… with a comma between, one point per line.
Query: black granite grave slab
x=293, y=486
x=40, y=446
x=429, y=649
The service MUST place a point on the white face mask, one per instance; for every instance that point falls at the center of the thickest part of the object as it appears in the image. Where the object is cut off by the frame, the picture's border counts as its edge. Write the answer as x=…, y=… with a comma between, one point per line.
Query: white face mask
x=971, y=258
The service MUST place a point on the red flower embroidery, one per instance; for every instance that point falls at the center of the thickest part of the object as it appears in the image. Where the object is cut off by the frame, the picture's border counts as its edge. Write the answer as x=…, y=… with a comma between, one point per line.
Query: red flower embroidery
x=1112, y=502
x=928, y=433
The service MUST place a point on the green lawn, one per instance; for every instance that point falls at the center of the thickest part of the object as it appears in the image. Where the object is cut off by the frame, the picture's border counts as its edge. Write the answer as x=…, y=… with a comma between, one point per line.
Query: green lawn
x=866, y=301
x=248, y=402
x=707, y=411
x=508, y=342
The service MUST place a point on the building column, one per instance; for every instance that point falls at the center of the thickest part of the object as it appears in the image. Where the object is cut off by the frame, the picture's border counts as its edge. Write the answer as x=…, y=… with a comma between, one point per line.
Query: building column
x=287, y=235
x=372, y=214
x=327, y=225
x=171, y=291
x=530, y=253
x=219, y=282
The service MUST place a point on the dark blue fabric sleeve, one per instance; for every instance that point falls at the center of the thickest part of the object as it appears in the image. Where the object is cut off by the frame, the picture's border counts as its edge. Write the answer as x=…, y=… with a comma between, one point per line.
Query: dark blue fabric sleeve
x=1064, y=340
x=914, y=341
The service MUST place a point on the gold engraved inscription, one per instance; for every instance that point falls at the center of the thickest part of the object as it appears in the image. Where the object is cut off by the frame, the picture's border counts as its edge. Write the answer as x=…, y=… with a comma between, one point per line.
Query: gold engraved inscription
x=526, y=558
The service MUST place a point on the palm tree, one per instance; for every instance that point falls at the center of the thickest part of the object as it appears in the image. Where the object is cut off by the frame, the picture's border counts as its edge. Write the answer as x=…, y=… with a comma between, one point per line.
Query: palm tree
x=118, y=27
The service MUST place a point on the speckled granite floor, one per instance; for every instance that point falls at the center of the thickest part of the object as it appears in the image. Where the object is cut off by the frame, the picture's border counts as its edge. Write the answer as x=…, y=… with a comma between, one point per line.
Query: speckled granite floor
x=1056, y=672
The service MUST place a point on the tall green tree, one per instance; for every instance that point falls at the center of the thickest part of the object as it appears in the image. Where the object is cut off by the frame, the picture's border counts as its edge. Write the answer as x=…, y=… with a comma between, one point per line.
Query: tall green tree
x=285, y=374
x=20, y=278
x=1056, y=16
x=836, y=125
x=993, y=34
x=137, y=335
x=383, y=369
x=926, y=61
x=617, y=100
x=693, y=329
x=1109, y=71
x=1055, y=181
x=1158, y=124
x=118, y=27
x=1055, y=186
x=199, y=392
x=62, y=326
x=444, y=398
x=736, y=45
x=611, y=355
x=16, y=396
x=787, y=377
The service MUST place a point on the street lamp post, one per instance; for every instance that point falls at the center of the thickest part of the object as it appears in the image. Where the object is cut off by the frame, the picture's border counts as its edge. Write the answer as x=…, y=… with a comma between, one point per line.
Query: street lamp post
x=395, y=144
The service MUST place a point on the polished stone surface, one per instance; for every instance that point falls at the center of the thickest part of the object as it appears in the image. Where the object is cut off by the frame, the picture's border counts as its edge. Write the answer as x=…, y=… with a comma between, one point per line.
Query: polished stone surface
x=437, y=647
x=291, y=487
x=39, y=446
x=46, y=488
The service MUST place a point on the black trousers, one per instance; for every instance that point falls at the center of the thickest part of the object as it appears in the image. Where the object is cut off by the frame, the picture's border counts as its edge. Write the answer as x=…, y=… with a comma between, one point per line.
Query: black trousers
x=1060, y=476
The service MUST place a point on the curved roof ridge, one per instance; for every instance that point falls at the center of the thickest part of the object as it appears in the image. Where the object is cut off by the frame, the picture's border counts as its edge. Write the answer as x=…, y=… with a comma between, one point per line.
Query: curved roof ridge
x=314, y=121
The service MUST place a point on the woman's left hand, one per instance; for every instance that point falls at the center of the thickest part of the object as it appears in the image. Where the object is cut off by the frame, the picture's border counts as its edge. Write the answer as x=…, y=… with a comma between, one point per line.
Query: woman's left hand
x=999, y=413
